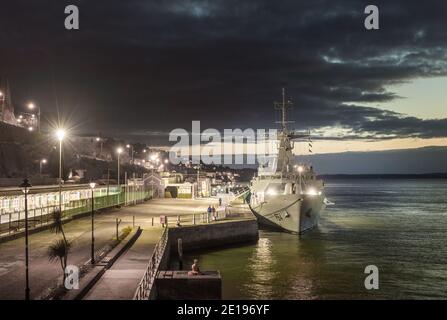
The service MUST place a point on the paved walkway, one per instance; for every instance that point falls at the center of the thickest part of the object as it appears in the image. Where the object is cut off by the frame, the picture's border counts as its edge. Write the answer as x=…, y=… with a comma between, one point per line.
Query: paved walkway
x=121, y=281
x=44, y=275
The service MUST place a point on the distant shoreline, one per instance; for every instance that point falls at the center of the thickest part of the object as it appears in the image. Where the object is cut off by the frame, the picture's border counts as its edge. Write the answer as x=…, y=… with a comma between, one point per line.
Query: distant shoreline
x=386, y=176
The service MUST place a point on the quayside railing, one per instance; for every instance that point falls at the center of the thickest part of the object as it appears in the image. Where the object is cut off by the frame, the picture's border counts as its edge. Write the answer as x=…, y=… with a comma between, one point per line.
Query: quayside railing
x=145, y=286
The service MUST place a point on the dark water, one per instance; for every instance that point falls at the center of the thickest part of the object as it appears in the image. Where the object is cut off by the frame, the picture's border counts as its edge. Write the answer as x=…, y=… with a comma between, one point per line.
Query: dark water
x=398, y=225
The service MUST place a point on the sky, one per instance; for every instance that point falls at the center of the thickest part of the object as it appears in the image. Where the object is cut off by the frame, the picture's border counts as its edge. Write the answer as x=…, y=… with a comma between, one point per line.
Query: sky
x=138, y=69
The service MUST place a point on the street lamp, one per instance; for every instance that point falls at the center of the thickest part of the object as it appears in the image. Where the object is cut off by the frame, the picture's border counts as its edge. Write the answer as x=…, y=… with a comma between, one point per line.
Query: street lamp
x=25, y=186
x=32, y=106
x=41, y=162
x=60, y=134
x=131, y=151
x=99, y=139
x=119, y=151
x=92, y=186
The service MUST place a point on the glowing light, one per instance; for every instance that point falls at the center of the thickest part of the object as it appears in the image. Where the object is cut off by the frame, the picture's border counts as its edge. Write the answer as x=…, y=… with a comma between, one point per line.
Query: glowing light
x=271, y=192
x=30, y=129
x=98, y=139
x=31, y=106
x=311, y=192
x=92, y=185
x=127, y=145
x=44, y=161
x=60, y=134
x=300, y=169
x=119, y=150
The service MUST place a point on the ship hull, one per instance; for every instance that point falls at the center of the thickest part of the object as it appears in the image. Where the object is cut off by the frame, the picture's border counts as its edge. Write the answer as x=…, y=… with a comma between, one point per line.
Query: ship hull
x=290, y=213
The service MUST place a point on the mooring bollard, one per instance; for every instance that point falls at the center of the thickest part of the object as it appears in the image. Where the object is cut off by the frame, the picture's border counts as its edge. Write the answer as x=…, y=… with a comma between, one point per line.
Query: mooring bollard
x=194, y=218
x=133, y=221
x=208, y=218
x=178, y=221
x=152, y=221
x=117, y=225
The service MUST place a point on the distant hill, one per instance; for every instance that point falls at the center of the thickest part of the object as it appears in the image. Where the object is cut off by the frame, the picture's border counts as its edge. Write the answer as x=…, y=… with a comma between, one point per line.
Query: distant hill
x=426, y=160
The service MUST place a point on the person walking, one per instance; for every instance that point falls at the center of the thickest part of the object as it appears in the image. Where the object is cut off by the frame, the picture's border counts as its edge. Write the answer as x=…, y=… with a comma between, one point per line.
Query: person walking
x=213, y=210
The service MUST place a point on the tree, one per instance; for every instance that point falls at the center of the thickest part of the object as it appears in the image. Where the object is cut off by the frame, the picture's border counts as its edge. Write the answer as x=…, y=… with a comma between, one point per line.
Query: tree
x=60, y=248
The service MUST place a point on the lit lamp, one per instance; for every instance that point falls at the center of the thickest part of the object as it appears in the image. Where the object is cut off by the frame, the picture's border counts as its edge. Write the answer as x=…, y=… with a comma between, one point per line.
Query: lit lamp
x=42, y=162
x=60, y=134
x=32, y=106
x=98, y=139
x=119, y=151
x=131, y=151
x=92, y=187
x=25, y=186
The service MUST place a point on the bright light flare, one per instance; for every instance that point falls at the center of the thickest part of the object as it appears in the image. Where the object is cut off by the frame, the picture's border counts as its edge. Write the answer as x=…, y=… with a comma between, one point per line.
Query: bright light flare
x=312, y=192
x=60, y=134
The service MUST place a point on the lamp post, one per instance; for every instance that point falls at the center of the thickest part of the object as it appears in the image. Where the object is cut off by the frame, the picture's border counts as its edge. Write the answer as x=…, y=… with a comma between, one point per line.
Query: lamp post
x=119, y=151
x=25, y=186
x=41, y=162
x=32, y=106
x=129, y=146
x=92, y=187
x=99, y=139
x=60, y=134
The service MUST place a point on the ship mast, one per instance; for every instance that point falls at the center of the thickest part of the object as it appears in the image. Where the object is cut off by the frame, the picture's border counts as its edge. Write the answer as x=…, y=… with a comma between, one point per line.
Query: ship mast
x=283, y=108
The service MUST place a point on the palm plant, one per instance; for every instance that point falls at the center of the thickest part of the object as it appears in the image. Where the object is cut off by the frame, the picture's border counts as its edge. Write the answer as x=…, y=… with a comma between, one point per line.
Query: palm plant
x=57, y=226
x=60, y=248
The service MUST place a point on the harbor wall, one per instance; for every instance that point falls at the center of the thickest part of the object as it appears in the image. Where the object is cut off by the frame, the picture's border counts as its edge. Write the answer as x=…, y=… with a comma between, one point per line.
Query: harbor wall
x=199, y=237
x=213, y=235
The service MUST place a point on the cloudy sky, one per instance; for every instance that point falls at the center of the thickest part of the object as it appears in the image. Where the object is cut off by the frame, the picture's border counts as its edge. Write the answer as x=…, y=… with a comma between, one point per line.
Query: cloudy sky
x=140, y=68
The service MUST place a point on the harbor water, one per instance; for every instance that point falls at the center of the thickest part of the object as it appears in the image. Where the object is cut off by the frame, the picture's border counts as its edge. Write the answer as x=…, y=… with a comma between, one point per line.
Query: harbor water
x=398, y=225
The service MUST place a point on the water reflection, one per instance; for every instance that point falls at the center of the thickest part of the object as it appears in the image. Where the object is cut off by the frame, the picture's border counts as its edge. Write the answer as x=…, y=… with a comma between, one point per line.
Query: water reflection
x=398, y=226
x=262, y=271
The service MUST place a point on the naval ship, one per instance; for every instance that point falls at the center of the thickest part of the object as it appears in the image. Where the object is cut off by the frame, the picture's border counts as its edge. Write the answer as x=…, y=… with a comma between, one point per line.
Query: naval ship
x=285, y=194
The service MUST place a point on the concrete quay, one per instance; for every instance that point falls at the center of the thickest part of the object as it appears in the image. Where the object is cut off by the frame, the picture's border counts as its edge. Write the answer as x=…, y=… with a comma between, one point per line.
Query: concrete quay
x=133, y=276
x=45, y=275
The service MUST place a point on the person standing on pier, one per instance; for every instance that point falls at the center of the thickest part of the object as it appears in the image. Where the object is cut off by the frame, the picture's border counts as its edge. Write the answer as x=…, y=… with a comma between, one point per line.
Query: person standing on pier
x=209, y=210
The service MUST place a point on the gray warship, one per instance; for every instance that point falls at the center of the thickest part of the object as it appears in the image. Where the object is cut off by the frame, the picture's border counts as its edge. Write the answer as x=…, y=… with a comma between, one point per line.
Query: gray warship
x=286, y=194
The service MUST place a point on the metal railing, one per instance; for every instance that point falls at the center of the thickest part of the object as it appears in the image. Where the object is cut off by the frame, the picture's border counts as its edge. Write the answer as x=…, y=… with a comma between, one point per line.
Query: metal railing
x=144, y=288
x=14, y=222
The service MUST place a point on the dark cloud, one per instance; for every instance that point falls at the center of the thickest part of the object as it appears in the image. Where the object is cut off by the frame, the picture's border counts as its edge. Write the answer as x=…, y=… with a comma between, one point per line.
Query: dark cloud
x=140, y=67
